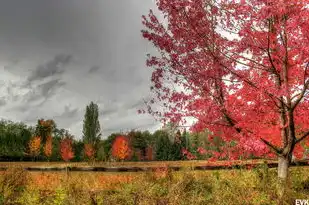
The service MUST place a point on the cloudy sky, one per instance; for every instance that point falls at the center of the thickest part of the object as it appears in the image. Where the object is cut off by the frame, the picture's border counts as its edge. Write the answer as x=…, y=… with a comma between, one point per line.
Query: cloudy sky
x=56, y=56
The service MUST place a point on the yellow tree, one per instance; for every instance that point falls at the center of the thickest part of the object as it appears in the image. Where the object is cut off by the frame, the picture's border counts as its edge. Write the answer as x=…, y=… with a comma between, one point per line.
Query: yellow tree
x=34, y=146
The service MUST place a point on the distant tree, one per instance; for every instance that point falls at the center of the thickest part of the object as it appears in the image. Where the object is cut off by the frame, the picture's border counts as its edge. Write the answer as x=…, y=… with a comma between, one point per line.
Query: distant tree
x=138, y=142
x=78, y=147
x=48, y=147
x=121, y=149
x=171, y=129
x=107, y=144
x=14, y=138
x=34, y=146
x=163, y=145
x=66, y=149
x=58, y=135
x=91, y=127
x=150, y=140
x=44, y=128
x=89, y=151
x=149, y=153
x=177, y=147
x=185, y=139
x=101, y=154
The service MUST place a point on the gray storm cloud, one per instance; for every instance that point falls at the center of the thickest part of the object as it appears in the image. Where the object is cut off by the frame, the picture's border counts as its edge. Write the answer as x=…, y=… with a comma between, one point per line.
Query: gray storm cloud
x=57, y=56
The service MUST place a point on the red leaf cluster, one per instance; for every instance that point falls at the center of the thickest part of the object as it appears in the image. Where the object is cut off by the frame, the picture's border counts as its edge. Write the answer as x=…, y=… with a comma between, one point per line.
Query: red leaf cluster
x=121, y=148
x=89, y=151
x=48, y=146
x=66, y=149
x=35, y=145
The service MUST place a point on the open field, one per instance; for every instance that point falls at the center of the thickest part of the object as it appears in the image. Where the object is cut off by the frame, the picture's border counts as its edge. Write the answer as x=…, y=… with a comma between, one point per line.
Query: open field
x=143, y=166
x=132, y=164
x=162, y=186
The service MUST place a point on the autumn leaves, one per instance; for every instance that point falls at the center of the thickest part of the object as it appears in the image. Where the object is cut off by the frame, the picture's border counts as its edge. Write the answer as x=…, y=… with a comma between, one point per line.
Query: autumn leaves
x=43, y=139
x=42, y=142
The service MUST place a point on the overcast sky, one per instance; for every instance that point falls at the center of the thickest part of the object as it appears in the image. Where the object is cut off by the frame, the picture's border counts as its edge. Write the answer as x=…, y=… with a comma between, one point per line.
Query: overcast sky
x=58, y=55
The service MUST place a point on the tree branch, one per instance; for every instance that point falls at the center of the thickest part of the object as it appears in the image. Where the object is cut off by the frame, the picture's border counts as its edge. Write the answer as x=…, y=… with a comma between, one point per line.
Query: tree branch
x=302, y=137
x=301, y=95
x=273, y=147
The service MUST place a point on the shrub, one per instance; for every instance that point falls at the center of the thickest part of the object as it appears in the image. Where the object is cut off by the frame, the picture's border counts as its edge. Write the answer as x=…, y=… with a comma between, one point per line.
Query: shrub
x=12, y=184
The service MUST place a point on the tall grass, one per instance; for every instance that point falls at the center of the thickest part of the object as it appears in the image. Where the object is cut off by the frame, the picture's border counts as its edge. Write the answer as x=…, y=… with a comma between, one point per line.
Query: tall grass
x=163, y=186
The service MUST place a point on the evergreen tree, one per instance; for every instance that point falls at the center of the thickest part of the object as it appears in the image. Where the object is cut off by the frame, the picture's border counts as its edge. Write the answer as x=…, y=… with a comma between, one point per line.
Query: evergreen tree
x=177, y=146
x=163, y=146
x=91, y=128
x=107, y=144
x=138, y=141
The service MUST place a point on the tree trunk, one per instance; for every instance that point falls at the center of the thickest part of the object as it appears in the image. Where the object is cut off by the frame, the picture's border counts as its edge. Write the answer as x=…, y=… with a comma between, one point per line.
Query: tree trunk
x=283, y=171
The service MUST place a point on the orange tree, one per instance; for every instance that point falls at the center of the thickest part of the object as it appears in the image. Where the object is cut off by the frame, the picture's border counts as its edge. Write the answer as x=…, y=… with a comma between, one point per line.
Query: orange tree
x=34, y=146
x=44, y=128
x=48, y=147
x=89, y=151
x=121, y=149
x=66, y=149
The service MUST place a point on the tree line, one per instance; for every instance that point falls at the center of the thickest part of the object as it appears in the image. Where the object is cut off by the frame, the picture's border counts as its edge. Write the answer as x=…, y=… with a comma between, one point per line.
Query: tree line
x=47, y=142
x=19, y=142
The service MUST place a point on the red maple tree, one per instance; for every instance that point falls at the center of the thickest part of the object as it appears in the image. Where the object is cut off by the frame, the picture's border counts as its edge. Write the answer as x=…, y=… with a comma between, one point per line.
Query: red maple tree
x=239, y=68
x=66, y=149
x=89, y=151
x=121, y=148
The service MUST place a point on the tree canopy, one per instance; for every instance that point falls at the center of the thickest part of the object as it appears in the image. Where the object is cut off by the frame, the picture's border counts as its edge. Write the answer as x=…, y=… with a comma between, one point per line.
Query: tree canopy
x=91, y=127
x=240, y=68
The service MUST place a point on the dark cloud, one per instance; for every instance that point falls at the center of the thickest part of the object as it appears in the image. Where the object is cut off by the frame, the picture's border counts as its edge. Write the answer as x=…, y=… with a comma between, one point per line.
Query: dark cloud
x=94, y=69
x=60, y=55
x=51, y=68
x=49, y=88
x=69, y=112
x=44, y=91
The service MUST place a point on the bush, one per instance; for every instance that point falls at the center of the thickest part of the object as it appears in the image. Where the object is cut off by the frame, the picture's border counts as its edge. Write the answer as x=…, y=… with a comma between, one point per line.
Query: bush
x=12, y=184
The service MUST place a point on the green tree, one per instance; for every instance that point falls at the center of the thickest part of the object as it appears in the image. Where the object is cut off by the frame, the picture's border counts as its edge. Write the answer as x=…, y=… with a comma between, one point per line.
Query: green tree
x=13, y=140
x=101, y=152
x=91, y=128
x=107, y=144
x=78, y=147
x=138, y=141
x=45, y=128
x=163, y=146
x=177, y=146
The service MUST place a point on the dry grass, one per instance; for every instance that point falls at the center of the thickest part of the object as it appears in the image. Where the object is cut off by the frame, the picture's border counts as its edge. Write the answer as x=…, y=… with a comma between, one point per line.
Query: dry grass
x=233, y=187
x=130, y=164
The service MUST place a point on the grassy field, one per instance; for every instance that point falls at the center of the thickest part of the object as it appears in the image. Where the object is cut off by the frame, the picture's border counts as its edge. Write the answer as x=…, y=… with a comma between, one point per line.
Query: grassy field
x=255, y=186
x=130, y=164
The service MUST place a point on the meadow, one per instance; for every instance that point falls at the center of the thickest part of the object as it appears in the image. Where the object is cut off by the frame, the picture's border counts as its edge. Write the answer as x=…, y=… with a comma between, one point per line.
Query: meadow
x=161, y=186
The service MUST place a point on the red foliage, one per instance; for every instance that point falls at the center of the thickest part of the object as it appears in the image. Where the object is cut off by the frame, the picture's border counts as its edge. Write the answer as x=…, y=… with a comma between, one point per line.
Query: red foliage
x=89, y=151
x=35, y=145
x=66, y=149
x=48, y=146
x=244, y=69
x=121, y=148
